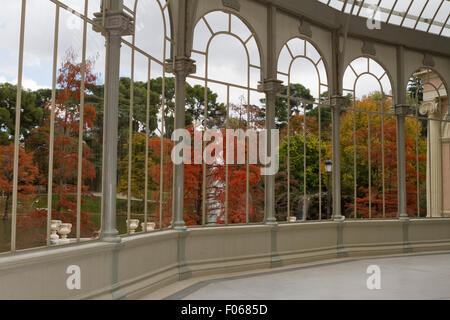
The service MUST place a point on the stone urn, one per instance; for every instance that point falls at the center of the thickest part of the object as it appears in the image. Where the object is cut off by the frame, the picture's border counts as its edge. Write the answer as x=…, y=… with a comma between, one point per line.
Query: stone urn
x=133, y=224
x=64, y=230
x=150, y=226
x=54, y=227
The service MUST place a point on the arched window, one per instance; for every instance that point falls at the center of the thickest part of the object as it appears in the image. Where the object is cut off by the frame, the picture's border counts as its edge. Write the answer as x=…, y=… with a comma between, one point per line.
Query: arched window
x=369, y=142
x=227, y=55
x=146, y=116
x=305, y=123
x=55, y=64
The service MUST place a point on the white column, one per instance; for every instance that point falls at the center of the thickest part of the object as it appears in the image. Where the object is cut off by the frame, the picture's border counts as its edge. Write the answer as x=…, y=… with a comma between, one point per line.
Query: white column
x=434, y=158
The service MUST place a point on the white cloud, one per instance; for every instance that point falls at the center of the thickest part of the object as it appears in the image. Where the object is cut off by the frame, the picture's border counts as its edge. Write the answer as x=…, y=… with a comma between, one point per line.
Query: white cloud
x=228, y=61
x=28, y=83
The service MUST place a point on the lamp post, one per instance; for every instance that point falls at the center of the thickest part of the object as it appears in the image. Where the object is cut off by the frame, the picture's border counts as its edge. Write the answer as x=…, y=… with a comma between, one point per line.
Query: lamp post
x=328, y=169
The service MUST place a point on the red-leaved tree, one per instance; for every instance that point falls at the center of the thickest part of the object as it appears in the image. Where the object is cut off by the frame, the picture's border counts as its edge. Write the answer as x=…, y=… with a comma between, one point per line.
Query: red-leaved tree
x=27, y=175
x=66, y=132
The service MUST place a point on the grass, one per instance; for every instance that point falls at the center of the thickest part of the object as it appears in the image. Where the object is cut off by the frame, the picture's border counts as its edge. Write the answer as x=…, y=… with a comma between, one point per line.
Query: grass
x=91, y=204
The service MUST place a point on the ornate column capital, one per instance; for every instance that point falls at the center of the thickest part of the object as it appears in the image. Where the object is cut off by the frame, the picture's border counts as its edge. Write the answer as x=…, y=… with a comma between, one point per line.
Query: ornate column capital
x=338, y=101
x=115, y=21
x=181, y=65
x=270, y=86
x=402, y=109
x=429, y=108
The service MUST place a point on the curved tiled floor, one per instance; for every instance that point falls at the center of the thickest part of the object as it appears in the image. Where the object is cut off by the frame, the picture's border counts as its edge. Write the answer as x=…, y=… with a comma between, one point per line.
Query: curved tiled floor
x=403, y=277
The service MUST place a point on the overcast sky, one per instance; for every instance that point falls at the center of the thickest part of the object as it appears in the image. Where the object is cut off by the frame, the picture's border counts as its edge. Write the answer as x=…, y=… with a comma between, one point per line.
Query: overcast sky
x=228, y=60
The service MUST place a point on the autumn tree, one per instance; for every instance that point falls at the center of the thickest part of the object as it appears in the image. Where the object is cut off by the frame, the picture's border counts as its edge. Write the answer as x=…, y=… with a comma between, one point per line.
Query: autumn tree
x=27, y=175
x=381, y=133
x=66, y=132
x=137, y=168
x=298, y=148
x=162, y=163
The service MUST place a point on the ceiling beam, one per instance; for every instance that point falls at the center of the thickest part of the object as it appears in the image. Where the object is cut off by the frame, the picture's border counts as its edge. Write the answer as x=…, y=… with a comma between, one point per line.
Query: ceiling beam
x=326, y=17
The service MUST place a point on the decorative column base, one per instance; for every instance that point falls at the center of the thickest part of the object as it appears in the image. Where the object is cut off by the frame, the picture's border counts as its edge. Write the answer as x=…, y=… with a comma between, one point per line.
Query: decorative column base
x=112, y=237
x=179, y=225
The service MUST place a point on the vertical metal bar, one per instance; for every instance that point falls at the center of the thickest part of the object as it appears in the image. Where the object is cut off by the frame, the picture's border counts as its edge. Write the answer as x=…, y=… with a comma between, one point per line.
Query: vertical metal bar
x=289, y=148
x=417, y=150
x=382, y=155
x=105, y=94
x=430, y=214
x=247, y=174
x=130, y=132
x=103, y=12
x=205, y=121
x=163, y=106
x=320, y=161
x=147, y=133
x=81, y=124
x=17, y=129
x=304, y=160
x=369, y=151
x=354, y=154
x=441, y=162
x=227, y=189
x=52, y=126
x=161, y=178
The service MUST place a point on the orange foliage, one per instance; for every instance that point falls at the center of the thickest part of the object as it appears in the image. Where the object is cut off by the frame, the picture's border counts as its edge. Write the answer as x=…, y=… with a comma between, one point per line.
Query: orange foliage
x=376, y=161
x=67, y=117
x=27, y=174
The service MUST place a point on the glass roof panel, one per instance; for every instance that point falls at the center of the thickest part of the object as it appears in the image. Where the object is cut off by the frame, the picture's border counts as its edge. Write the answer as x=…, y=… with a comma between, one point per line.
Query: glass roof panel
x=424, y=15
x=129, y=4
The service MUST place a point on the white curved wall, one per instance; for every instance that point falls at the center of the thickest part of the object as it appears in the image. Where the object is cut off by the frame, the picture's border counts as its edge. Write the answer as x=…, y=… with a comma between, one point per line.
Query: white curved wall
x=143, y=263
